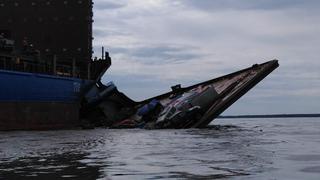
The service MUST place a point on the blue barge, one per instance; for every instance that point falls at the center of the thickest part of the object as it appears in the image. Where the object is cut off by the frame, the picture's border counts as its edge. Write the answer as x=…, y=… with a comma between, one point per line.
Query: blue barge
x=37, y=101
x=46, y=64
x=31, y=87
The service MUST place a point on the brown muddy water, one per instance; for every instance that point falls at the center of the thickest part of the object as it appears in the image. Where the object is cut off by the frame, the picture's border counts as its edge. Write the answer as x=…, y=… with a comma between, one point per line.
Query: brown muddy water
x=231, y=149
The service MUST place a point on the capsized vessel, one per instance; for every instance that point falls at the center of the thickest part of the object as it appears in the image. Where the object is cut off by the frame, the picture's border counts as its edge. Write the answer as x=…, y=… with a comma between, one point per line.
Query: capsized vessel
x=183, y=107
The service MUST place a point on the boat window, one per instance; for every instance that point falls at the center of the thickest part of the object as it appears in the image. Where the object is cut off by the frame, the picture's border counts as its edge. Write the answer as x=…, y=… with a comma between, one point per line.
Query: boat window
x=165, y=111
x=172, y=111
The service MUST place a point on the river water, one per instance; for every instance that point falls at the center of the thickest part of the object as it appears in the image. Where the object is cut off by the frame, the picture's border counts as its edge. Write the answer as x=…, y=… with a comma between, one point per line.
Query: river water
x=229, y=149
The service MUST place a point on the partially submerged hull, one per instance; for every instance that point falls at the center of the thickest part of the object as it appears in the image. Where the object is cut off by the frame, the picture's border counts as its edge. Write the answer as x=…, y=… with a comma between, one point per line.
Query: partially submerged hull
x=190, y=107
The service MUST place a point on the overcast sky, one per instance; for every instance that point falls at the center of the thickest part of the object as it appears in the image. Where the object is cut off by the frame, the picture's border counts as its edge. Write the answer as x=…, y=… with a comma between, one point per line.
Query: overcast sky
x=155, y=44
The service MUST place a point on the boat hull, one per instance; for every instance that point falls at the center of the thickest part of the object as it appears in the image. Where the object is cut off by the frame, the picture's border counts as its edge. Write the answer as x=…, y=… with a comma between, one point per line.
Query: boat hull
x=31, y=101
x=38, y=115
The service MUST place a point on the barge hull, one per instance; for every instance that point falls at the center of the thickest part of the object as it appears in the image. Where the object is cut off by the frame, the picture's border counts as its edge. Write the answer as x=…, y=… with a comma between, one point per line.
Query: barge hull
x=30, y=101
x=38, y=115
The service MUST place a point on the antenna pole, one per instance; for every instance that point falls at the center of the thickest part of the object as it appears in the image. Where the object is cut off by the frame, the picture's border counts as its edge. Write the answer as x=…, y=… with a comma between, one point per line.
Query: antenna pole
x=102, y=52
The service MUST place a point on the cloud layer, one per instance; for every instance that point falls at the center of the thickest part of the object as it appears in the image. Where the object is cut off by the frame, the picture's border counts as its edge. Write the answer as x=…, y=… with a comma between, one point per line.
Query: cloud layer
x=158, y=43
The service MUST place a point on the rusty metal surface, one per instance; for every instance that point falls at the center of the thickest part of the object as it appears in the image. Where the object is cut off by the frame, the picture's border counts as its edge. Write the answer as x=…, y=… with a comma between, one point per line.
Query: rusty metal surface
x=38, y=115
x=41, y=24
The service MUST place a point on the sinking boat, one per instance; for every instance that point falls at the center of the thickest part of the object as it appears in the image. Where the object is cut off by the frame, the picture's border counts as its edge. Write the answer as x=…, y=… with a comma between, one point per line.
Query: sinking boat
x=195, y=106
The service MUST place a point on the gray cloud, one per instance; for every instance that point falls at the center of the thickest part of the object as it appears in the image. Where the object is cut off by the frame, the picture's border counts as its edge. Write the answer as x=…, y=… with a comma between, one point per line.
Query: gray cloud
x=250, y=4
x=159, y=54
x=107, y=5
x=100, y=33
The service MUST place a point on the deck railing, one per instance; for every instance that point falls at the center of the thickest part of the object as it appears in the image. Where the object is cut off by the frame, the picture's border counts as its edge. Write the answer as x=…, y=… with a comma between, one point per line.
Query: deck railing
x=29, y=64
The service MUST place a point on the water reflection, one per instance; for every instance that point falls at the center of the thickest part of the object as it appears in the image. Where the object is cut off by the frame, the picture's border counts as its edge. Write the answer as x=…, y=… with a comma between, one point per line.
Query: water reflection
x=246, y=149
x=52, y=167
x=127, y=154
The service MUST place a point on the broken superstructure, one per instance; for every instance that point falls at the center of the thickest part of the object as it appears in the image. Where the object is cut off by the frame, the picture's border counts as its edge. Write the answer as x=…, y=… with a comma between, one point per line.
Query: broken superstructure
x=189, y=107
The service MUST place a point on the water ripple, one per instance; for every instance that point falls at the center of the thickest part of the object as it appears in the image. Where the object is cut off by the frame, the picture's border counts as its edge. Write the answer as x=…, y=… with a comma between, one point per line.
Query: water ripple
x=253, y=149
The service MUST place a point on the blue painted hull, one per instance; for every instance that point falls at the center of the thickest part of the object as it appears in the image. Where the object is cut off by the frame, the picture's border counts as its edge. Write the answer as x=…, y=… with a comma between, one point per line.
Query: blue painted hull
x=19, y=86
x=36, y=101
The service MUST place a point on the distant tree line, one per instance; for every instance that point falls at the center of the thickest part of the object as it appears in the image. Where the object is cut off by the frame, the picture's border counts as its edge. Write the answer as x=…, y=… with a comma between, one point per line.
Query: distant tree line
x=272, y=116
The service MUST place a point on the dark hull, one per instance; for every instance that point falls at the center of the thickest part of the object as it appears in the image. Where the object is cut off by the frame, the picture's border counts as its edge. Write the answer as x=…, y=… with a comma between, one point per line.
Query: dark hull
x=30, y=101
x=38, y=115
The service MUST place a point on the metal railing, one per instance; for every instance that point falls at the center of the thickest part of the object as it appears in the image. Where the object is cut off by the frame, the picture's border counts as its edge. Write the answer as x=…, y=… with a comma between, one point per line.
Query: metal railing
x=29, y=64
